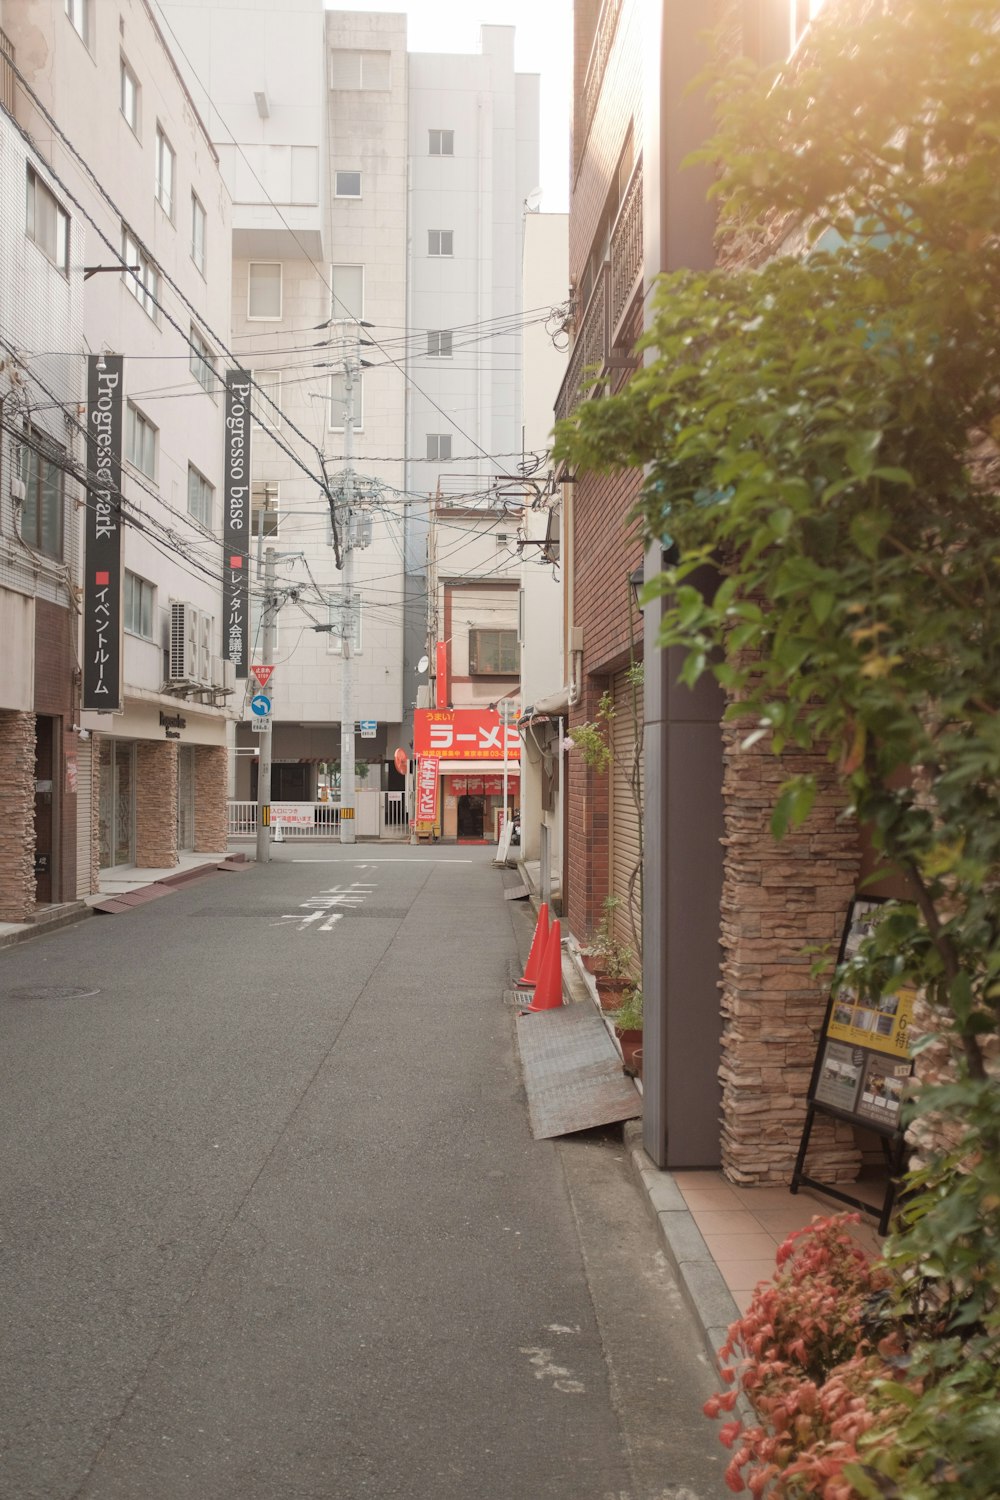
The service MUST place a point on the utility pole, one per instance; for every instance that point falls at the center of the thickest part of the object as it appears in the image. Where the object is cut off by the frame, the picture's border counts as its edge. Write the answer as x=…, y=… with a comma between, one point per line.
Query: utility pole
x=264, y=763
x=347, y=802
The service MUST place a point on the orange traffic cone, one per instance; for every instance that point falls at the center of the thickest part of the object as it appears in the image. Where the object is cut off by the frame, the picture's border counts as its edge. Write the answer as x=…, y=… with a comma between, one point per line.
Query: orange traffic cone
x=549, y=991
x=531, y=968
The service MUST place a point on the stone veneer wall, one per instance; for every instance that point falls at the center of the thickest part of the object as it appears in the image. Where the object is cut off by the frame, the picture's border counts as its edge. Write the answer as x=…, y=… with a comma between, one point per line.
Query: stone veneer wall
x=17, y=816
x=211, y=811
x=156, y=803
x=777, y=899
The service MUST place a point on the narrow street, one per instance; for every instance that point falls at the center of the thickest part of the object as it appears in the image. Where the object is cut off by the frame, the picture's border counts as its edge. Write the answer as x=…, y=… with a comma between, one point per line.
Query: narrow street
x=274, y=1224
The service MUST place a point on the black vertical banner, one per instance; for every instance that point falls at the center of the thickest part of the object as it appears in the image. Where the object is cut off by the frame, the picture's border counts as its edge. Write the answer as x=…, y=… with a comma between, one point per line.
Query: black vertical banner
x=102, y=582
x=236, y=524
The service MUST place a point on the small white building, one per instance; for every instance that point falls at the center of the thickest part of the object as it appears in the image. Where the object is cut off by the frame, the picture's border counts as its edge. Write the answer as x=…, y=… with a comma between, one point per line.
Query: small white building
x=545, y=692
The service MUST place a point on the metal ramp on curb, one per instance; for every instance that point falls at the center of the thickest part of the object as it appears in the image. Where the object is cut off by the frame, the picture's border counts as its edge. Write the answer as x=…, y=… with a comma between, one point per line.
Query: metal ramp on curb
x=572, y=1072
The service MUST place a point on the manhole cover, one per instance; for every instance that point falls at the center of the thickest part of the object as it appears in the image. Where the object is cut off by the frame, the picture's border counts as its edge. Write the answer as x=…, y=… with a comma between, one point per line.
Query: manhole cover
x=52, y=992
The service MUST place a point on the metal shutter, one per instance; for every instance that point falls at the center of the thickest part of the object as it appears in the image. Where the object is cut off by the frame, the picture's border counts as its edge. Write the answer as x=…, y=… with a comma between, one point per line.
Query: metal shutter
x=625, y=821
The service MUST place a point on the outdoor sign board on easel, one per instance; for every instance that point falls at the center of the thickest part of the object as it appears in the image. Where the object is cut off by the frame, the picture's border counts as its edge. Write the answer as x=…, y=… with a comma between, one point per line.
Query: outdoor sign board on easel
x=862, y=1063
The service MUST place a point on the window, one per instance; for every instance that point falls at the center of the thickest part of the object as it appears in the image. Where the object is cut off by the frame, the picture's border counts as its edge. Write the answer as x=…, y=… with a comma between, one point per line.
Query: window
x=47, y=223
x=201, y=497
x=359, y=70
x=441, y=142
x=440, y=241
x=79, y=14
x=439, y=445
x=348, y=284
x=203, y=363
x=493, y=653
x=197, y=233
x=165, y=164
x=336, y=619
x=138, y=605
x=348, y=184
x=129, y=96
x=439, y=342
x=140, y=442
x=265, y=402
x=142, y=279
x=338, y=402
x=264, y=297
x=264, y=508
x=42, y=508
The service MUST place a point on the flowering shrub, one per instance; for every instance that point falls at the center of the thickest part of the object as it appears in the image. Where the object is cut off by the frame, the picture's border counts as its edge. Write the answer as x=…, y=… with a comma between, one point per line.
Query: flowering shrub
x=803, y=1355
x=856, y=1396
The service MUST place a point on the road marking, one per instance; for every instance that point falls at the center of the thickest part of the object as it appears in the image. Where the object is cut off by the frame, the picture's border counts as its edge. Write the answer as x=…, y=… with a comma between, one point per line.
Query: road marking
x=421, y=859
x=320, y=906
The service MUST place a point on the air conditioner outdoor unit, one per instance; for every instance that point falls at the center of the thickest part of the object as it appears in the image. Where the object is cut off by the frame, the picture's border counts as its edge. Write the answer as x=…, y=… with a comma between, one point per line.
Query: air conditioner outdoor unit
x=223, y=674
x=205, y=653
x=184, y=641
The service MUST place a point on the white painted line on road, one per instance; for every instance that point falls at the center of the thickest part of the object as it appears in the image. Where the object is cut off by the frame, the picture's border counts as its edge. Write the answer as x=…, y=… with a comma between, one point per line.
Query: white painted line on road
x=421, y=859
x=352, y=895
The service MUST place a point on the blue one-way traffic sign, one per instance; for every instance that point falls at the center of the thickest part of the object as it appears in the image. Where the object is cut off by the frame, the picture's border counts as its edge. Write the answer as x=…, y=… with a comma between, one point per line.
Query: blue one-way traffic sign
x=260, y=704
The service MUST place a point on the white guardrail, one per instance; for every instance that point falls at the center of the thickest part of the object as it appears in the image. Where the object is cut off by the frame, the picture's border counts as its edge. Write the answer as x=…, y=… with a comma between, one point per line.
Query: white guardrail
x=377, y=814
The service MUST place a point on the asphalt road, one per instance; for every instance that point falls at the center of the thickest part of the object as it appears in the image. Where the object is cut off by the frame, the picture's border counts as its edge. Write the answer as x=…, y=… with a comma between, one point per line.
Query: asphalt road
x=273, y=1224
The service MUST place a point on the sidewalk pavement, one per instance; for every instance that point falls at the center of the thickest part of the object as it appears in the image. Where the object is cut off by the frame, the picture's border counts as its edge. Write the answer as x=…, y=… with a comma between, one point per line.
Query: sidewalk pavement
x=720, y=1239
x=120, y=880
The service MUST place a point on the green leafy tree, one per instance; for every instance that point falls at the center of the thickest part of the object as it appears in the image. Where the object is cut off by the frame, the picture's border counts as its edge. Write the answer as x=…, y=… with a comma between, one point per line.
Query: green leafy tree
x=822, y=425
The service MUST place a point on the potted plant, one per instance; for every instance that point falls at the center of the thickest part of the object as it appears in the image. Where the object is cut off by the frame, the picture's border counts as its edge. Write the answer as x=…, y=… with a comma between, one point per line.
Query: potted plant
x=617, y=977
x=628, y=1030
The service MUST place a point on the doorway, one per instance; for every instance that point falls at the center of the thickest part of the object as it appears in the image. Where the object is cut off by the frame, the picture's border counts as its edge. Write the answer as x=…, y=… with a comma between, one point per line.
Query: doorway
x=470, y=817
x=185, y=797
x=116, y=827
x=45, y=819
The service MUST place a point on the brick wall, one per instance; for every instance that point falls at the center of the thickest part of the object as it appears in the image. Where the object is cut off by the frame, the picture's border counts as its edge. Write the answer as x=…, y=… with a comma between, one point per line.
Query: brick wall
x=210, y=803
x=17, y=816
x=56, y=695
x=156, y=803
x=777, y=899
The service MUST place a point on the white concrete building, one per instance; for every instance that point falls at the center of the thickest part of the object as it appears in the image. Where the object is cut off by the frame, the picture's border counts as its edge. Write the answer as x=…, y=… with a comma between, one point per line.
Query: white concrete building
x=378, y=209
x=138, y=180
x=309, y=113
x=544, y=695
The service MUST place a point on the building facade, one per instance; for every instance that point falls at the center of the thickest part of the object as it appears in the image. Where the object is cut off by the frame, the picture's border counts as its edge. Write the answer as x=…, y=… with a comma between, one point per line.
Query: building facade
x=141, y=236
x=731, y=1010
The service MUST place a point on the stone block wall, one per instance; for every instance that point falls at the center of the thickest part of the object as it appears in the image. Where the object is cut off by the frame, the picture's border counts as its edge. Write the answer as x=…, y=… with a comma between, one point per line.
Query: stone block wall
x=156, y=803
x=777, y=900
x=17, y=816
x=211, y=820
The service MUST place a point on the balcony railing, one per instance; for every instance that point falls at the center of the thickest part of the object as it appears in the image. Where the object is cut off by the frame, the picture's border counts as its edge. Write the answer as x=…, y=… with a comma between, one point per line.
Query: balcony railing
x=603, y=329
x=626, y=248
x=6, y=73
x=604, y=37
x=590, y=350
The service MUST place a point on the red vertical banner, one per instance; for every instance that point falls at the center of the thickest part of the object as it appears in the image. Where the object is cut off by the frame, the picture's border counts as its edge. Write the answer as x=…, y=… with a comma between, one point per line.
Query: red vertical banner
x=443, y=687
x=428, y=772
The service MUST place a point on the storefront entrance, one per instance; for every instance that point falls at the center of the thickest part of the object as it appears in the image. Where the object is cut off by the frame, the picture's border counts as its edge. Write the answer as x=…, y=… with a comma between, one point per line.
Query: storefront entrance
x=116, y=832
x=185, y=797
x=470, y=817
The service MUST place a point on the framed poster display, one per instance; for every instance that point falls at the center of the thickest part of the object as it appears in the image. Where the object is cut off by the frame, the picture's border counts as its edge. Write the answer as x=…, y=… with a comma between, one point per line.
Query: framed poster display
x=862, y=1062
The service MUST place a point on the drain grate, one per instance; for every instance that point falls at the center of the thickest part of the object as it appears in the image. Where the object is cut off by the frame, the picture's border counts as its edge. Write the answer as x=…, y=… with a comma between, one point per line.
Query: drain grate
x=52, y=992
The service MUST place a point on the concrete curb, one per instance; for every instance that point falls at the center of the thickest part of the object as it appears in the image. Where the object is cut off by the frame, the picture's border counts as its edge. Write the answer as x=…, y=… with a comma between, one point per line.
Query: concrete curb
x=699, y=1278
x=28, y=930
